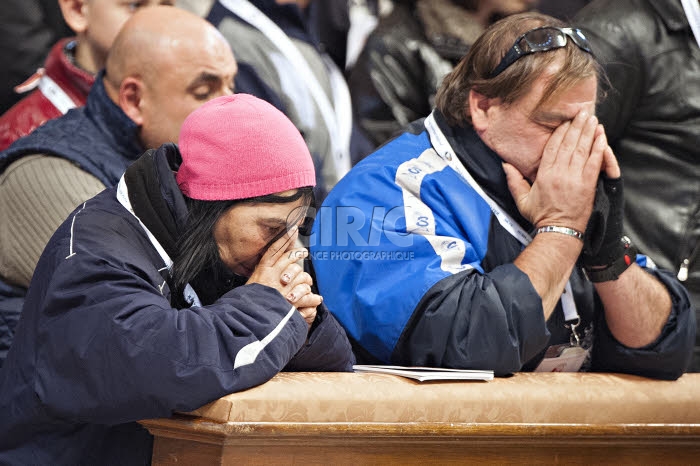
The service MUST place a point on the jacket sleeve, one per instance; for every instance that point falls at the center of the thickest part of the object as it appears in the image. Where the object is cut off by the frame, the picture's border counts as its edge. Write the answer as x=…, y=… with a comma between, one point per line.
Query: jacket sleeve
x=402, y=307
x=326, y=349
x=110, y=349
x=476, y=321
x=667, y=357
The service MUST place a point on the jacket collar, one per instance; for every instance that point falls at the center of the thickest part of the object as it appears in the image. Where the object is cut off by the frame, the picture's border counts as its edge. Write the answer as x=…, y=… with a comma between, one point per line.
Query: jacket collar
x=72, y=79
x=155, y=196
x=483, y=164
x=118, y=130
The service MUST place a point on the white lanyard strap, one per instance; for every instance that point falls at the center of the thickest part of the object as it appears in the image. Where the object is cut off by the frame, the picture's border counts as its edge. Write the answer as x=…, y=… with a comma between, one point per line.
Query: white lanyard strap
x=338, y=118
x=444, y=150
x=692, y=12
x=55, y=94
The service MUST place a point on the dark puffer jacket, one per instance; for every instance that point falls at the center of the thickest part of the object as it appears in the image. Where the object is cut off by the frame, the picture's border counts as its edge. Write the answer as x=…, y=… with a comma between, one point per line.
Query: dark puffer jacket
x=652, y=119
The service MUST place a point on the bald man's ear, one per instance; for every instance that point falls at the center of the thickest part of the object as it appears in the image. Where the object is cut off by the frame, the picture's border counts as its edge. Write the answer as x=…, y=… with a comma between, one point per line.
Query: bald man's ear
x=130, y=98
x=75, y=13
x=479, y=105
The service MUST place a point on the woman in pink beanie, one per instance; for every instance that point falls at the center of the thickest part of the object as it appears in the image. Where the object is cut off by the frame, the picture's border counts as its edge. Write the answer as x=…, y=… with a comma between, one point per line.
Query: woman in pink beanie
x=175, y=288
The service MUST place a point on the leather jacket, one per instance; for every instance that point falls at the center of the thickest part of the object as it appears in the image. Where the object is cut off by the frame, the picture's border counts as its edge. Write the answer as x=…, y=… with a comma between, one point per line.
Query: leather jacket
x=33, y=110
x=396, y=76
x=652, y=120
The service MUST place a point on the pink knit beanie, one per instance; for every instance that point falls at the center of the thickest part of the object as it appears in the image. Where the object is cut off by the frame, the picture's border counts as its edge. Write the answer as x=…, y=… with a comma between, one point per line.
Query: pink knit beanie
x=237, y=147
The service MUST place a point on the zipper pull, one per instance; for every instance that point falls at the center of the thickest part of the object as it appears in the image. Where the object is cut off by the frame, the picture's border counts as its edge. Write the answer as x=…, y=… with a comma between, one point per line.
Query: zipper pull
x=683, y=271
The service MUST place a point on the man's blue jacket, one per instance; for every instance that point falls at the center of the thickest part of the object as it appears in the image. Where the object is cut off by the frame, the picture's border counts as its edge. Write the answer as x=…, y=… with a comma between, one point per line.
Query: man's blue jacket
x=416, y=267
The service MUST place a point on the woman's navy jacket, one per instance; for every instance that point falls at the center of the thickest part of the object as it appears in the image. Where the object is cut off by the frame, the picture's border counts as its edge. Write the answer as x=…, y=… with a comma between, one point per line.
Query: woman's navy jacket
x=99, y=346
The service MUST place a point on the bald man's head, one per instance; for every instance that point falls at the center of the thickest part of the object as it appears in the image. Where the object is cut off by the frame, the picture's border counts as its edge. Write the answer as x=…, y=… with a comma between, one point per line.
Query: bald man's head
x=164, y=63
x=96, y=24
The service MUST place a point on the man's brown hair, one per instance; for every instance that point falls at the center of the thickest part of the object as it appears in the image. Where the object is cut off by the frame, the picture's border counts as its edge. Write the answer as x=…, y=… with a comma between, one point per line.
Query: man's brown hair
x=473, y=71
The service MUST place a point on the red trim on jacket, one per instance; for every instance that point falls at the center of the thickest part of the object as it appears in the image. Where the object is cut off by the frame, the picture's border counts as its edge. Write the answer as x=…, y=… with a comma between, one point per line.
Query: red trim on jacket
x=35, y=109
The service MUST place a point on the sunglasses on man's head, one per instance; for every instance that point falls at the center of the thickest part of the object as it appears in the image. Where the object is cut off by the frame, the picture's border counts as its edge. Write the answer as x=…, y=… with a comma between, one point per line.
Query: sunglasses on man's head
x=541, y=39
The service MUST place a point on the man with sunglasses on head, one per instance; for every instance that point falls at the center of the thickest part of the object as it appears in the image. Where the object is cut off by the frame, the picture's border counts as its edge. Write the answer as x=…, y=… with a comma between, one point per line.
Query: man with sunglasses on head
x=489, y=235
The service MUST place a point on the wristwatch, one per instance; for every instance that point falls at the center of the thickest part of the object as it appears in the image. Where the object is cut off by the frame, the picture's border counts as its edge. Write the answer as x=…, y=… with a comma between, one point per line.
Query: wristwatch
x=614, y=270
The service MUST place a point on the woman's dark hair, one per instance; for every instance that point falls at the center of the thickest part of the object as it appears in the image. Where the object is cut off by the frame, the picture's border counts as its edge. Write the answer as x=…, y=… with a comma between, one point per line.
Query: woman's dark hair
x=197, y=259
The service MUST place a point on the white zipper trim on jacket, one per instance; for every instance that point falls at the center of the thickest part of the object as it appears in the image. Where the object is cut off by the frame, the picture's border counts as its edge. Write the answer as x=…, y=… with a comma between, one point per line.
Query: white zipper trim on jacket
x=123, y=198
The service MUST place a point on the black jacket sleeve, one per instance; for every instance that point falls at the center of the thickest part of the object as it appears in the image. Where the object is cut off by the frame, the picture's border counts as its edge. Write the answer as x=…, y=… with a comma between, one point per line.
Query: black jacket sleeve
x=476, y=321
x=326, y=349
x=667, y=357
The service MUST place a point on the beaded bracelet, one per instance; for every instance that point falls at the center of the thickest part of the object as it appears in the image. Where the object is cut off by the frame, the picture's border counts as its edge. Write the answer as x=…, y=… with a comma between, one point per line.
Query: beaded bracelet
x=562, y=230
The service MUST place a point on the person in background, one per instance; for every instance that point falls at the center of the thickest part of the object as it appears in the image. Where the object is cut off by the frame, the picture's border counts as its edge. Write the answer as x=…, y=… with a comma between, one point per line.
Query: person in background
x=281, y=62
x=69, y=71
x=139, y=102
x=28, y=29
x=650, y=52
x=169, y=291
x=343, y=26
x=397, y=74
x=489, y=235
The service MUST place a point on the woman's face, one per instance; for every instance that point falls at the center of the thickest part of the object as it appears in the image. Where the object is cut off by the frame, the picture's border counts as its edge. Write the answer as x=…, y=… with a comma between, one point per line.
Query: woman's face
x=243, y=232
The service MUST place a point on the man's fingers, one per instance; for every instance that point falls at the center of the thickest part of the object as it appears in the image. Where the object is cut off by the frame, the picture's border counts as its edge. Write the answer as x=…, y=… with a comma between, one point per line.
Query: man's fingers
x=551, y=149
x=518, y=185
x=610, y=165
x=592, y=167
x=570, y=144
x=583, y=148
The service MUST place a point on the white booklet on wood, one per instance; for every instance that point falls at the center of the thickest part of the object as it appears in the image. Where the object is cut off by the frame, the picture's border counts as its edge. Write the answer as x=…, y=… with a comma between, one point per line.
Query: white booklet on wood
x=423, y=374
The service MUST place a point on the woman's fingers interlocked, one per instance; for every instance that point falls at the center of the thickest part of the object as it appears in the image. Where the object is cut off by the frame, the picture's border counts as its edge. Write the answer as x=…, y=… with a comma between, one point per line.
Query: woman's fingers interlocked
x=279, y=269
x=290, y=273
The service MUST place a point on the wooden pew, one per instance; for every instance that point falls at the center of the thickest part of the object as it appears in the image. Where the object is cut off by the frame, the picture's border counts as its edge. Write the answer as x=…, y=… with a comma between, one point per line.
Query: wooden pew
x=341, y=418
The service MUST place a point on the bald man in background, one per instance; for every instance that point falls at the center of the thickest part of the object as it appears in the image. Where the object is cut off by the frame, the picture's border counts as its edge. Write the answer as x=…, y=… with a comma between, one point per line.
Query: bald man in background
x=69, y=71
x=164, y=63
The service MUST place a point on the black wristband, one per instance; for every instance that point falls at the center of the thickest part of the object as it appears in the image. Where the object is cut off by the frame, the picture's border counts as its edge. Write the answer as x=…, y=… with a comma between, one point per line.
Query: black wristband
x=615, y=269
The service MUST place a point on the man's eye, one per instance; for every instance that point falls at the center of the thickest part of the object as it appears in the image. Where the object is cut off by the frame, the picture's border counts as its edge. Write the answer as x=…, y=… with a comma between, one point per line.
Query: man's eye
x=202, y=93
